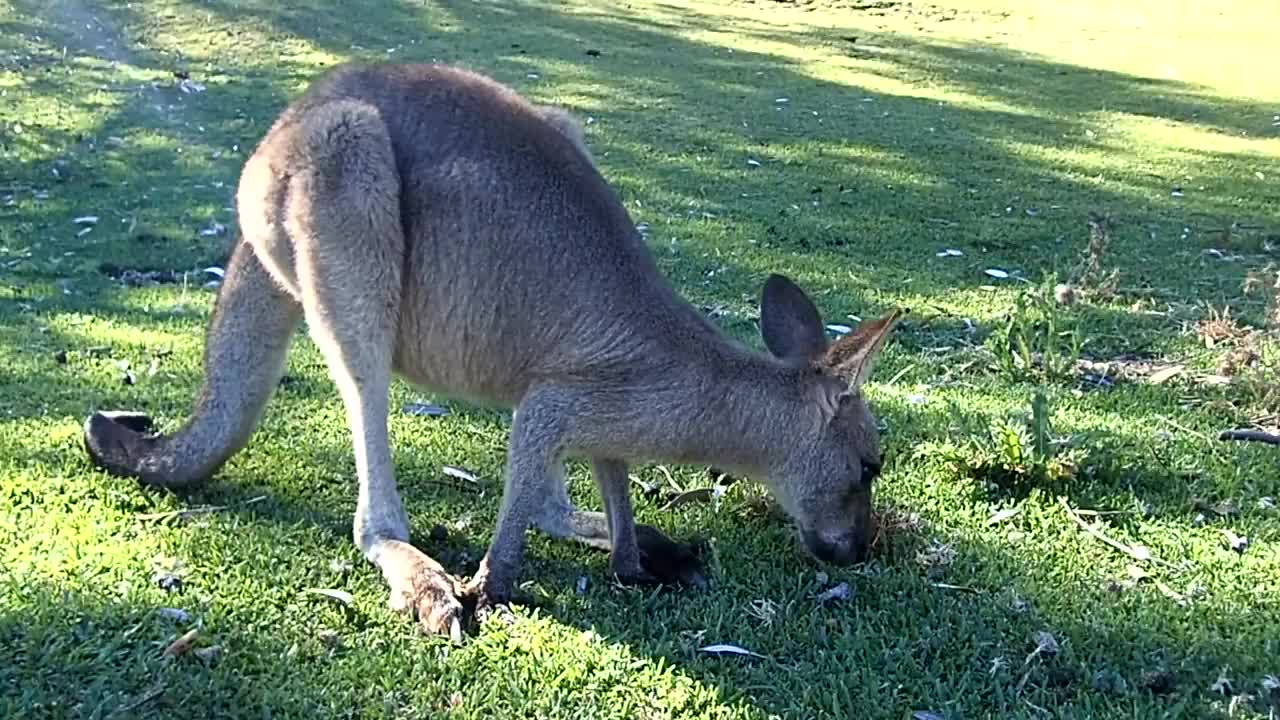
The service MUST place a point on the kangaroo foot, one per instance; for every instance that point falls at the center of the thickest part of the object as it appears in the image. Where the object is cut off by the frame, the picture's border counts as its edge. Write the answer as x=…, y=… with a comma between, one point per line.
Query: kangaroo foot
x=422, y=589
x=668, y=561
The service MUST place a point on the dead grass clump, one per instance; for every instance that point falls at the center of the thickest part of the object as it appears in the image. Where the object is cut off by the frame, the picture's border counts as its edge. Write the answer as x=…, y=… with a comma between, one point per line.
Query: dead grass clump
x=1219, y=328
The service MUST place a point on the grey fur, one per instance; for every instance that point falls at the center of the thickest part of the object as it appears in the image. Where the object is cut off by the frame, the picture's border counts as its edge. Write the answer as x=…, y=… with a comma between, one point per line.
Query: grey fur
x=429, y=222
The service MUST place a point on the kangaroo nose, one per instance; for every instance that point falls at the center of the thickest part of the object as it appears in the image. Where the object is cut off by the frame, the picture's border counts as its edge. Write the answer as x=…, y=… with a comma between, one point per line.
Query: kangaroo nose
x=843, y=548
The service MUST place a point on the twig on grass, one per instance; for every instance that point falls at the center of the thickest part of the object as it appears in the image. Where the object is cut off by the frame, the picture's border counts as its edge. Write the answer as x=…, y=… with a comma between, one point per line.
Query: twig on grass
x=1183, y=428
x=150, y=695
x=1137, y=552
x=894, y=380
x=671, y=481
x=1101, y=513
x=192, y=512
x=1036, y=707
x=961, y=588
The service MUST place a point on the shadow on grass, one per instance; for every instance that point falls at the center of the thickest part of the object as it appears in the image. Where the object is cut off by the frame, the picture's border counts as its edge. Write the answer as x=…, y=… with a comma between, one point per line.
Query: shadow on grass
x=831, y=187
x=902, y=626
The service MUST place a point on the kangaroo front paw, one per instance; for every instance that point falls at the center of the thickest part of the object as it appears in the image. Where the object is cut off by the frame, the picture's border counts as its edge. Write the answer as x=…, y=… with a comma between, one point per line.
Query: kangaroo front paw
x=423, y=590
x=638, y=577
x=670, y=562
x=483, y=597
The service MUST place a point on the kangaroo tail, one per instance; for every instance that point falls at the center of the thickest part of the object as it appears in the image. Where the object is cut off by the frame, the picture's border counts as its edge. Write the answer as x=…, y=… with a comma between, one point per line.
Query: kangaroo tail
x=244, y=357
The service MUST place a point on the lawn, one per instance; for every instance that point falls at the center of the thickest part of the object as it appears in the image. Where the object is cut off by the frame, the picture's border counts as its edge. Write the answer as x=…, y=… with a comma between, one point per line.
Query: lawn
x=1065, y=534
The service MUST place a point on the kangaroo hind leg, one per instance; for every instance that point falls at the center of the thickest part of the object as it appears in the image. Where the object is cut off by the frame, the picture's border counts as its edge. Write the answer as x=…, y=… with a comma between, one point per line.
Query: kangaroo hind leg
x=348, y=250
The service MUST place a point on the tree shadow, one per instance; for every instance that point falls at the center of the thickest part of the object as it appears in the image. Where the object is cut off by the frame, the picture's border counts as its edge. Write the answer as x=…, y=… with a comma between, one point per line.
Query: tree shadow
x=865, y=160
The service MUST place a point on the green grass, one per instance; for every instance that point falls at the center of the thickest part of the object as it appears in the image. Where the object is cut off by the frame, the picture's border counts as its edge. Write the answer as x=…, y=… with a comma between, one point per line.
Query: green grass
x=940, y=126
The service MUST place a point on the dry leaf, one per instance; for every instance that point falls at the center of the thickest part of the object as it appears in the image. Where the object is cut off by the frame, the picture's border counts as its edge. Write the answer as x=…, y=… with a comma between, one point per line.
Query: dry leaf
x=953, y=586
x=342, y=597
x=730, y=649
x=1235, y=542
x=696, y=495
x=1003, y=515
x=1045, y=645
x=459, y=473
x=1222, y=685
x=177, y=615
x=1139, y=552
x=1109, y=681
x=1163, y=374
x=839, y=592
x=183, y=644
x=425, y=409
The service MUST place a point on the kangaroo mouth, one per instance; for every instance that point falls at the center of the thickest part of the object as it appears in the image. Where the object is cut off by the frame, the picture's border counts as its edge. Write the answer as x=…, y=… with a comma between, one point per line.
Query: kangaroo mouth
x=842, y=548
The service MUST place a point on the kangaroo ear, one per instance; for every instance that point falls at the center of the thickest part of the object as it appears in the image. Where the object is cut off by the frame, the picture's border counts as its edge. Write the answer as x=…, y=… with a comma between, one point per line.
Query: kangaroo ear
x=789, y=323
x=567, y=124
x=853, y=356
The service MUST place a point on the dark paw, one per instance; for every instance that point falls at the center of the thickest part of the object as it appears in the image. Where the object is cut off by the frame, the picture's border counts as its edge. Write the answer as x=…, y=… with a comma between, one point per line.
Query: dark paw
x=637, y=578
x=481, y=602
x=670, y=562
x=486, y=609
x=116, y=440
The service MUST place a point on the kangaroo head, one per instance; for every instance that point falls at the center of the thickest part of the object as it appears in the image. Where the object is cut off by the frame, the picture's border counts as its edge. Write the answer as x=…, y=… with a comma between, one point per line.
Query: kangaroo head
x=829, y=451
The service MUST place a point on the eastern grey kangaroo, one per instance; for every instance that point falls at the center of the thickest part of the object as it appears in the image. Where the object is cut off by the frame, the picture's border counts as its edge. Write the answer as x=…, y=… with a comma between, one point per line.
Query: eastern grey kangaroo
x=430, y=222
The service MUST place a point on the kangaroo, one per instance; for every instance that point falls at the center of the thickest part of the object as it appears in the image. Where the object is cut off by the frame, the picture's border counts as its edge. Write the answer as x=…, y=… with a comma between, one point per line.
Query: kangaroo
x=429, y=222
